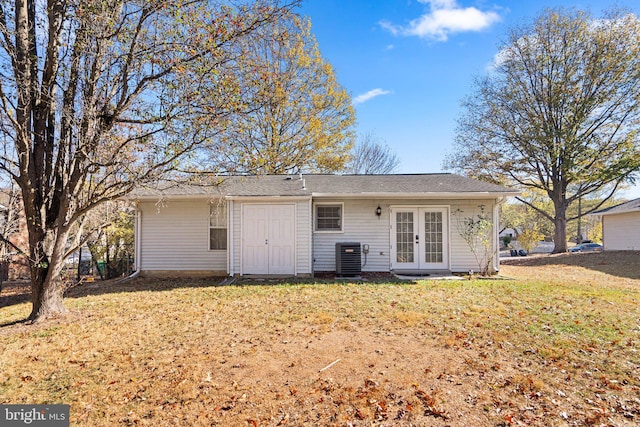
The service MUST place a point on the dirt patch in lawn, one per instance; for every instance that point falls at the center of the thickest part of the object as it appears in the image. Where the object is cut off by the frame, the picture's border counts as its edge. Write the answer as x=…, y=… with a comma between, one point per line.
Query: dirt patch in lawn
x=555, y=346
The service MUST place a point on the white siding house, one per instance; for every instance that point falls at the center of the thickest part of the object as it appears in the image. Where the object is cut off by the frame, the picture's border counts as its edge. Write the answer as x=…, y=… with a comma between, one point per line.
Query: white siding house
x=621, y=226
x=290, y=225
x=176, y=237
x=363, y=226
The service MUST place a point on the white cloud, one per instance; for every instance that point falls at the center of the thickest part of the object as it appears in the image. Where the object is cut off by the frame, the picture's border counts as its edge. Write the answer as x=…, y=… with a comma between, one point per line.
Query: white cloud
x=498, y=59
x=393, y=29
x=445, y=17
x=510, y=53
x=370, y=95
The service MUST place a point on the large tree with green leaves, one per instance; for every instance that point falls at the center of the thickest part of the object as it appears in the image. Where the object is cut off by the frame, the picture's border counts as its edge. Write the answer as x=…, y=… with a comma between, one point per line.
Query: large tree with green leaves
x=97, y=96
x=559, y=112
x=295, y=115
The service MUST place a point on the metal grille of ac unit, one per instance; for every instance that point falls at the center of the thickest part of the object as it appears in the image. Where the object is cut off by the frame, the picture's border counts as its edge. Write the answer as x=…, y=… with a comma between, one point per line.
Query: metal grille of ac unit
x=348, y=259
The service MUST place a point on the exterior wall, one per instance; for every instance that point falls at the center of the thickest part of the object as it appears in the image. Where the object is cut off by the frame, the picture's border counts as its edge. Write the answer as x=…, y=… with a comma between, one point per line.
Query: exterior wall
x=621, y=231
x=360, y=224
x=175, y=236
x=462, y=258
x=302, y=231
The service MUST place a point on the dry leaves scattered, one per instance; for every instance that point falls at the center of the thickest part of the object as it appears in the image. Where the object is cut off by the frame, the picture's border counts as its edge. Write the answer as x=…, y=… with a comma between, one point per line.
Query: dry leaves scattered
x=555, y=346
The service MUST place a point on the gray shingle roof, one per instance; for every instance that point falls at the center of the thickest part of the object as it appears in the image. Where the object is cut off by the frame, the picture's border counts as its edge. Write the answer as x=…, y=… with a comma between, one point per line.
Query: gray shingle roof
x=398, y=184
x=327, y=185
x=630, y=206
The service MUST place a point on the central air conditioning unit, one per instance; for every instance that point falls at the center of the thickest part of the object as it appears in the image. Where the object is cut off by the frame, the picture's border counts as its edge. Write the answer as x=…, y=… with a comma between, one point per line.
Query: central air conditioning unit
x=348, y=259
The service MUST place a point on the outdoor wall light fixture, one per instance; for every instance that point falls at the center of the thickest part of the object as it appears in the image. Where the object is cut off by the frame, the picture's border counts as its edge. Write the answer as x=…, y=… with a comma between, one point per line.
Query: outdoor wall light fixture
x=378, y=211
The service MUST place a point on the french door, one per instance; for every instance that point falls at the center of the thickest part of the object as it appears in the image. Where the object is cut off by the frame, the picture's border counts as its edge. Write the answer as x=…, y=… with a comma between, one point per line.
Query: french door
x=420, y=238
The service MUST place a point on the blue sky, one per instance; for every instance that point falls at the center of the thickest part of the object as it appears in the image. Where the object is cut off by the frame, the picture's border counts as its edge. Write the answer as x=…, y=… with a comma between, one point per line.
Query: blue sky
x=408, y=63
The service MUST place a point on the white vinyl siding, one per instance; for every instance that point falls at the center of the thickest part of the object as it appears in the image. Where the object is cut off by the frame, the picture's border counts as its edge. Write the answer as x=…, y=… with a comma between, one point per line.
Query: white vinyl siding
x=174, y=236
x=621, y=232
x=362, y=225
x=462, y=259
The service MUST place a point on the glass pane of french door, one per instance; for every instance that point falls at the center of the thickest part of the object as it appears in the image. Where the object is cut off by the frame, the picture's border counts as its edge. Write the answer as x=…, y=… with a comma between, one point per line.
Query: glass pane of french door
x=404, y=237
x=433, y=239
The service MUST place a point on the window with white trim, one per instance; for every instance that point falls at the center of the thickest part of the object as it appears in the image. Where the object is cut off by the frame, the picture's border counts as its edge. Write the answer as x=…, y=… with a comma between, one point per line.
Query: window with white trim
x=218, y=226
x=329, y=217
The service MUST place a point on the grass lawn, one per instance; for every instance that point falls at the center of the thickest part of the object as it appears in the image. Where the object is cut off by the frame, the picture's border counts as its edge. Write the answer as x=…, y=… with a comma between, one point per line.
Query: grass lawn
x=552, y=342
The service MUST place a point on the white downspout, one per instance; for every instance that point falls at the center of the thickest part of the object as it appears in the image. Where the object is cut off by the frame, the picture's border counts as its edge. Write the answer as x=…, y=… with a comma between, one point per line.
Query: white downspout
x=230, y=264
x=496, y=231
x=311, y=242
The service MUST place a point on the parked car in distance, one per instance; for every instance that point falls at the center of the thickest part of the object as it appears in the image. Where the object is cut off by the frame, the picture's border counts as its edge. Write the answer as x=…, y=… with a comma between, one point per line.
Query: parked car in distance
x=586, y=247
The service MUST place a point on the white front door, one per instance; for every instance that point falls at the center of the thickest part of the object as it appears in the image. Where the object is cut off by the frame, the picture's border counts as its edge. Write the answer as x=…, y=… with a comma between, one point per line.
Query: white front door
x=420, y=238
x=268, y=239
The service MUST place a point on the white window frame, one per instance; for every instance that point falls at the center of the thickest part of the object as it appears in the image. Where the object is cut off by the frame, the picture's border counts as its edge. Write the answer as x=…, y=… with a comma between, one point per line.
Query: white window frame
x=315, y=217
x=222, y=215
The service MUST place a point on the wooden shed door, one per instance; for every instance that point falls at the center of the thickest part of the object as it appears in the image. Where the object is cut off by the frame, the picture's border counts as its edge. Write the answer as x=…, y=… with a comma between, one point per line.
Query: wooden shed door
x=268, y=239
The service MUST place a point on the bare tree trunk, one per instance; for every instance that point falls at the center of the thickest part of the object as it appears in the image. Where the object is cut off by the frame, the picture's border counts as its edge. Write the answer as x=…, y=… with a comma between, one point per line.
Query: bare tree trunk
x=560, y=223
x=47, y=288
x=46, y=297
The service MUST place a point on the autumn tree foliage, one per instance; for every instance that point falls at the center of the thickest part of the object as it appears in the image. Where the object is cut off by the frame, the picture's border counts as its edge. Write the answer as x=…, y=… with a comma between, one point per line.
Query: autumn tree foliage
x=109, y=236
x=559, y=113
x=99, y=96
x=295, y=116
x=521, y=216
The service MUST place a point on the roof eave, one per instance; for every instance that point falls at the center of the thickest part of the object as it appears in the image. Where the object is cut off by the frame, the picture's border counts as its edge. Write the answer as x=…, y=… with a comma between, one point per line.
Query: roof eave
x=425, y=195
x=366, y=195
x=276, y=197
x=621, y=212
x=155, y=197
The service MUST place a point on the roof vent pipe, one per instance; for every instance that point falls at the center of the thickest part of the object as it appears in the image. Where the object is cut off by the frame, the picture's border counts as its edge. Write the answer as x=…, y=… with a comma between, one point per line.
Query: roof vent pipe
x=304, y=187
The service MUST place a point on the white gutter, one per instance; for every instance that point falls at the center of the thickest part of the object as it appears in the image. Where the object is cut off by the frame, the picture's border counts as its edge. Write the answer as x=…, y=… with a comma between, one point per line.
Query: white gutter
x=613, y=213
x=269, y=198
x=169, y=197
x=426, y=195
x=365, y=195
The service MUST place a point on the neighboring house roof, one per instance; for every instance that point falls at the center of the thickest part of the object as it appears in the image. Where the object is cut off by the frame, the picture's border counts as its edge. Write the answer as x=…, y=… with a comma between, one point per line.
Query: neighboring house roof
x=622, y=208
x=400, y=185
